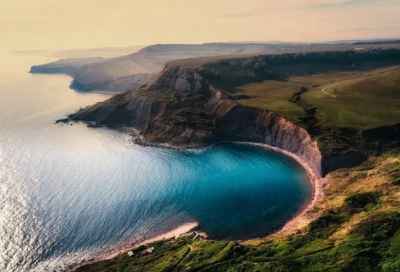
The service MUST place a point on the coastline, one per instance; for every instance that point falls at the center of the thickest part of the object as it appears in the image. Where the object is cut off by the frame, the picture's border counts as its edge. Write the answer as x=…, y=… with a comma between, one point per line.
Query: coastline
x=301, y=218
x=178, y=231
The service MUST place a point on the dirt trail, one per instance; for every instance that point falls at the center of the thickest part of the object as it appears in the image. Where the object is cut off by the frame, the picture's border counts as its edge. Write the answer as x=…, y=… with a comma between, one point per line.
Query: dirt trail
x=323, y=90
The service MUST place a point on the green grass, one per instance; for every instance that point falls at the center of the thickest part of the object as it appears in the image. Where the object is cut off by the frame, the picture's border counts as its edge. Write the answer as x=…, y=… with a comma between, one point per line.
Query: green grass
x=206, y=253
x=274, y=96
x=371, y=246
x=393, y=170
x=363, y=103
x=367, y=96
x=166, y=258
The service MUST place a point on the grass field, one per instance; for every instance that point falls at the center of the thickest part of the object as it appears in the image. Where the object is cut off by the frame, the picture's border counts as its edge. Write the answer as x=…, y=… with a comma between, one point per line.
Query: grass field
x=364, y=97
x=366, y=102
x=273, y=96
x=361, y=101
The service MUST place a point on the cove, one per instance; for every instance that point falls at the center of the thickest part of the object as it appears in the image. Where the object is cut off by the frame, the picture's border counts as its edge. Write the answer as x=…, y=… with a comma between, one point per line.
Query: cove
x=69, y=192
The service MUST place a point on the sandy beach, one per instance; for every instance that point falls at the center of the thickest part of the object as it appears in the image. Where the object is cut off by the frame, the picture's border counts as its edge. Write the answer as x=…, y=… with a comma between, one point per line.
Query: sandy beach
x=303, y=217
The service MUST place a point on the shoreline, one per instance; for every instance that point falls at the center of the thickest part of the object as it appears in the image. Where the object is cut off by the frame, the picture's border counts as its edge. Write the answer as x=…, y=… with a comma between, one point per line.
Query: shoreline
x=299, y=219
x=176, y=232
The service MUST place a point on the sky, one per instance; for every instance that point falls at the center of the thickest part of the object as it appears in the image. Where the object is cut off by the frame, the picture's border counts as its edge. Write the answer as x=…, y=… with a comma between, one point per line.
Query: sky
x=69, y=24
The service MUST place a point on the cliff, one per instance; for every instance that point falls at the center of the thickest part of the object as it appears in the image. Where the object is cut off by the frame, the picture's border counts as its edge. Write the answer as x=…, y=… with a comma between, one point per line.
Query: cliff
x=69, y=67
x=117, y=85
x=196, y=106
x=119, y=74
x=197, y=102
x=182, y=108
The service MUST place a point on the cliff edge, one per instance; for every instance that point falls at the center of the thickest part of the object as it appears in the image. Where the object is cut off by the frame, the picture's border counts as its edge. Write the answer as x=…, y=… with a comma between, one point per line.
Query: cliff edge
x=180, y=107
x=197, y=105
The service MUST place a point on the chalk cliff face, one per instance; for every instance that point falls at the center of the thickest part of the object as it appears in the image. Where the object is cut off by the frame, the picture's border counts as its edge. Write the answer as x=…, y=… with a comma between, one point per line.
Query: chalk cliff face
x=117, y=85
x=181, y=107
x=253, y=125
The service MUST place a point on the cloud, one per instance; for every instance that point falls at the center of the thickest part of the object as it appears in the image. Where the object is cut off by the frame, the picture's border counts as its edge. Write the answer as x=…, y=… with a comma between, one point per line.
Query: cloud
x=23, y=17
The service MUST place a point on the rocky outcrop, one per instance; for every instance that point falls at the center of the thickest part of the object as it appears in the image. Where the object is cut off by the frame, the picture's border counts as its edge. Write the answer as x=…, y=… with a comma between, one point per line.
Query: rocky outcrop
x=122, y=109
x=253, y=125
x=111, y=74
x=180, y=107
x=85, y=81
x=69, y=67
x=117, y=85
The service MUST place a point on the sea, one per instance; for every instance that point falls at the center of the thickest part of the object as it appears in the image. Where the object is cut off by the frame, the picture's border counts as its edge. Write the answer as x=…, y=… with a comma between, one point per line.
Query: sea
x=69, y=192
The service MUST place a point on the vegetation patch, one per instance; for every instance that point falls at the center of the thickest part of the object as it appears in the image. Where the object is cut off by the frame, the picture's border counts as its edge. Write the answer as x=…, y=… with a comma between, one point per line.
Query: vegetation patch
x=347, y=88
x=393, y=170
x=360, y=201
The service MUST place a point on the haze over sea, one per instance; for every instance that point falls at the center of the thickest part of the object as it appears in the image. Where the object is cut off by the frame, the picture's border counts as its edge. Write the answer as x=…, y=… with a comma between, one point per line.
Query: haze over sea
x=68, y=192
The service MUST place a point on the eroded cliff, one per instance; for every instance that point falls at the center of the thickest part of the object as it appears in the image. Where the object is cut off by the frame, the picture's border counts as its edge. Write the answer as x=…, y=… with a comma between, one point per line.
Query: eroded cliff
x=182, y=108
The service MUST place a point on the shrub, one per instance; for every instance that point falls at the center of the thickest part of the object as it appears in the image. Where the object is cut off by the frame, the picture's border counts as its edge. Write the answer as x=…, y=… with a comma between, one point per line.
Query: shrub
x=324, y=226
x=360, y=201
x=379, y=227
x=391, y=267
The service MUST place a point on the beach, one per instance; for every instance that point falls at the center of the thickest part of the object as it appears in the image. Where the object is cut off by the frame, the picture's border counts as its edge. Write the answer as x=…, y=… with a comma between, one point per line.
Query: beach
x=178, y=231
x=304, y=216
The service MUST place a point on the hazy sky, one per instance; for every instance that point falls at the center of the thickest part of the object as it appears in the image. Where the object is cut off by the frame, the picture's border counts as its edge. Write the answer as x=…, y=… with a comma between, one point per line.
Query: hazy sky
x=54, y=24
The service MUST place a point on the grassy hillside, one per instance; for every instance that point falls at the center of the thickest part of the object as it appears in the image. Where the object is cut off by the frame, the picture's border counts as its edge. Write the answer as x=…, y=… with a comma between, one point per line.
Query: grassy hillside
x=358, y=230
x=366, y=102
x=360, y=92
x=274, y=96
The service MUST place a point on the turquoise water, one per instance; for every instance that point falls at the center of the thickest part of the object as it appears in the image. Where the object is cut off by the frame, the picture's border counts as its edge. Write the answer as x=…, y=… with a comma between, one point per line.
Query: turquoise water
x=70, y=192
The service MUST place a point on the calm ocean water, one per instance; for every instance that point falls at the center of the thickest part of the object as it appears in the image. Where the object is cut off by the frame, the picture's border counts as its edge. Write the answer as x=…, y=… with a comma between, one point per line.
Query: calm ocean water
x=70, y=192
